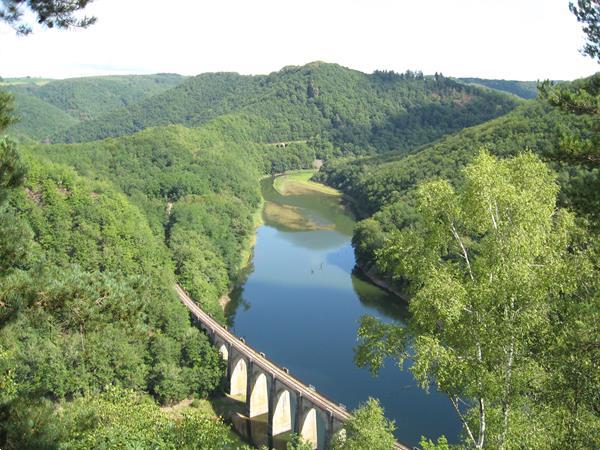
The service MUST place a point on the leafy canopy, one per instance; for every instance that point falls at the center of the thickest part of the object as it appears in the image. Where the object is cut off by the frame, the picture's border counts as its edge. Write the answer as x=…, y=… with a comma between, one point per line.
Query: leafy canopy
x=588, y=13
x=367, y=428
x=484, y=264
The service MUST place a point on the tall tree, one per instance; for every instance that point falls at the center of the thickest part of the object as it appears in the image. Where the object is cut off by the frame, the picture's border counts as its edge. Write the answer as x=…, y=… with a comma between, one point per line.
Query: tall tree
x=485, y=263
x=6, y=110
x=588, y=13
x=582, y=98
x=50, y=13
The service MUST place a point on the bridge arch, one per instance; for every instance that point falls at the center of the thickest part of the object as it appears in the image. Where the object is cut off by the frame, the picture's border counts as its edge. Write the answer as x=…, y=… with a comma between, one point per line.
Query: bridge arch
x=239, y=380
x=224, y=352
x=308, y=428
x=259, y=396
x=282, y=414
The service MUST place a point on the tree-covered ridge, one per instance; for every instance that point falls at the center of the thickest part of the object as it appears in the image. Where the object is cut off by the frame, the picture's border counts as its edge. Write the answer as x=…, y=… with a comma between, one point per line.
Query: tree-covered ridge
x=384, y=186
x=87, y=303
x=195, y=101
x=89, y=97
x=49, y=107
x=38, y=120
x=358, y=112
x=523, y=89
x=198, y=189
x=101, y=234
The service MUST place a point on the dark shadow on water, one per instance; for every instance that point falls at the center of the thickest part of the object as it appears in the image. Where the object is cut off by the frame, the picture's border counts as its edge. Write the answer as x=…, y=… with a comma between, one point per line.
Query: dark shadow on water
x=377, y=298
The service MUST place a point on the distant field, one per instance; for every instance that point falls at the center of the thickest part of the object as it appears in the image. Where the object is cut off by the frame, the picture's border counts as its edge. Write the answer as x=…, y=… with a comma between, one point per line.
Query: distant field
x=26, y=80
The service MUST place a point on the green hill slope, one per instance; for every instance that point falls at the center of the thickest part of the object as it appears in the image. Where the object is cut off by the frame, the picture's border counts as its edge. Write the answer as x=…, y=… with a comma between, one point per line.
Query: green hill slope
x=208, y=175
x=89, y=97
x=48, y=107
x=384, y=186
x=38, y=120
x=360, y=113
x=87, y=306
x=523, y=89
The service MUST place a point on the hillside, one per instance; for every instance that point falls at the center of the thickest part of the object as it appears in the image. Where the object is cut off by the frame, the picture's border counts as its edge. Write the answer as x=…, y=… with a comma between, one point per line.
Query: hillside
x=38, y=120
x=46, y=107
x=524, y=89
x=87, y=308
x=208, y=174
x=383, y=187
x=164, y=187
x=359, y=113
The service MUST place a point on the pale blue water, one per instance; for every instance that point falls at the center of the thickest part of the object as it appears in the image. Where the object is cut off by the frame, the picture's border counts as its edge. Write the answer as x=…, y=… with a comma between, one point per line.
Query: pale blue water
x=301, y=304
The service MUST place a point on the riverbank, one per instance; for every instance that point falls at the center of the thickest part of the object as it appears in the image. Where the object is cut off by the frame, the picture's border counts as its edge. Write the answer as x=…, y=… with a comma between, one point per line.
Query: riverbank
x=374, y=278
x=246, y=253
x=301, y=302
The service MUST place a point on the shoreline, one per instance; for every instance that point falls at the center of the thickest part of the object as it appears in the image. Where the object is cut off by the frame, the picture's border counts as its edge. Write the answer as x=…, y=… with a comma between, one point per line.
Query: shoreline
x=381, y=283
x=246, y=254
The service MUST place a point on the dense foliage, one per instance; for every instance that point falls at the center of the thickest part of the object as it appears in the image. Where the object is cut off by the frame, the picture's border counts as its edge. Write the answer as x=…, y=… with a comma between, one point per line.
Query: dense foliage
x=116, y=419
x=49, y=107
x=384, y=187
x=367, y=428
x=523, y=89
x=37, y=119
x=496, y=271
x=198, y=190
x=94, y=237
x=357, y=112
x=87, y=304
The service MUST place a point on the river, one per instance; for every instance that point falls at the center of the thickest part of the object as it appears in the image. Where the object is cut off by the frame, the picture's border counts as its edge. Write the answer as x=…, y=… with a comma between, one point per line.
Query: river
x=301, y=301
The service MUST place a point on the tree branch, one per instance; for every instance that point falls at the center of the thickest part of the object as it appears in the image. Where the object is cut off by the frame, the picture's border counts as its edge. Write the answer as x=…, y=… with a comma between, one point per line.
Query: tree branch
x=464, y=250
x=454, y=401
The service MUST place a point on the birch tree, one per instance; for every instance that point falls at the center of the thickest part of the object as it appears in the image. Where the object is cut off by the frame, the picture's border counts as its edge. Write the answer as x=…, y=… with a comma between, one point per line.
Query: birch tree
x=483, y=263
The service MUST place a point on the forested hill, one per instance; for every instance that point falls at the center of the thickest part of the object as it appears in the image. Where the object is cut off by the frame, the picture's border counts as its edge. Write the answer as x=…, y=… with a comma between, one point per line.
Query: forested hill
x=358, y=112
x=523, y=89
x=46, y=107
x=383, y=187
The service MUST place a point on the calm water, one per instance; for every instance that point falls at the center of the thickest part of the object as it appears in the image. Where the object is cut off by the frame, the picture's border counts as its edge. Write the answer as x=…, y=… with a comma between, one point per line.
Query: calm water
x=301, y=303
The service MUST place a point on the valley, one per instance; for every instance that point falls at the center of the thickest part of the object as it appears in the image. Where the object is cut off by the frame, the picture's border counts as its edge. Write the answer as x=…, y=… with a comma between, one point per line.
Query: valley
x=117, y=188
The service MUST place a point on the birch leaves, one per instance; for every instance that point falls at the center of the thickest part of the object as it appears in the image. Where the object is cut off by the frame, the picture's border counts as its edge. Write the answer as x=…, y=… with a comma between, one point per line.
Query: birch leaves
x=484, y=263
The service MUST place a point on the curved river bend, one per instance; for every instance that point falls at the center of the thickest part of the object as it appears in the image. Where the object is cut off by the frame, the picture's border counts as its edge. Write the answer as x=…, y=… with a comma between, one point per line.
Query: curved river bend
x=300, y=304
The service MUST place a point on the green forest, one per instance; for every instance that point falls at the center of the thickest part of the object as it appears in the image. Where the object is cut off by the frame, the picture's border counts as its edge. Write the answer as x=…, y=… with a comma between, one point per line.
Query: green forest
x=478, y=200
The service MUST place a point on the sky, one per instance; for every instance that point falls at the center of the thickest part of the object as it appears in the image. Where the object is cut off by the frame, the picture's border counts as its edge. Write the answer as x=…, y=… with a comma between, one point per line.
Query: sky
x=507, y=39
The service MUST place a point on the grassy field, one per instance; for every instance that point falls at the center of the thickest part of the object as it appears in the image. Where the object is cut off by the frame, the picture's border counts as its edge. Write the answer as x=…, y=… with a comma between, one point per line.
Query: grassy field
x=298, y=182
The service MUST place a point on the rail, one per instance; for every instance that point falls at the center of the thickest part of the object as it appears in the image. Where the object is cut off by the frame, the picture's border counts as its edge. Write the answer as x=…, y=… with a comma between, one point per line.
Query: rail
x=291, y=382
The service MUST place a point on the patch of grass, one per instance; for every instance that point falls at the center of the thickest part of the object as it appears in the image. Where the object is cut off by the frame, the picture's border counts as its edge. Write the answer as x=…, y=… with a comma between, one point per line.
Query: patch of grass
x=298, y=183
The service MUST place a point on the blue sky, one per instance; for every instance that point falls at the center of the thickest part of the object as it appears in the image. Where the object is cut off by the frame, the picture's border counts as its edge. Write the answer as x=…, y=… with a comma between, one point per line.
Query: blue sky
x=510, y=39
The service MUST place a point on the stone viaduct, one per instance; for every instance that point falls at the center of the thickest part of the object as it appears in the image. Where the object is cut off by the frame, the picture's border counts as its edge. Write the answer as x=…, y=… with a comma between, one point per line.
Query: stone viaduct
x=269, y=390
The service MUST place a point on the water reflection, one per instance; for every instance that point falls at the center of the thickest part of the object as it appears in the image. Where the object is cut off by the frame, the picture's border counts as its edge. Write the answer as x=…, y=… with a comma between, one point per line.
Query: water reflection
x=301, y=304
x=374, y=298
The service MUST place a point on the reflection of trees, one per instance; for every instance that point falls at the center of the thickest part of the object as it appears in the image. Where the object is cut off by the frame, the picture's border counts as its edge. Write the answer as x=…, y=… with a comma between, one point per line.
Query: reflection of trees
x=317, y=210
x=371, y=296
x=236, y=296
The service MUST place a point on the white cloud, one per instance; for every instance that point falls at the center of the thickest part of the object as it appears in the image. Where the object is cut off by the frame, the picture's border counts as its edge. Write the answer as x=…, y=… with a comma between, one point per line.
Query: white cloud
x=517, y=39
